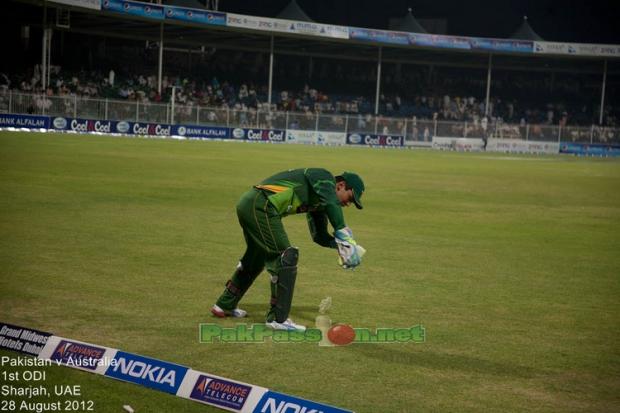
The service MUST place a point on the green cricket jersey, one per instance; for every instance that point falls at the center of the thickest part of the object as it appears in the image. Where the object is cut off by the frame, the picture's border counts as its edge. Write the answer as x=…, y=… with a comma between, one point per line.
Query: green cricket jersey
x=311, y=191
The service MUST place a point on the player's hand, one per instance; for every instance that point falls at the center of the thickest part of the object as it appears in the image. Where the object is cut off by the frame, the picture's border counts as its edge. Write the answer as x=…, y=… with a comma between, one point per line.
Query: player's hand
x=347, y=249
x=344, y=235
x=353, y=262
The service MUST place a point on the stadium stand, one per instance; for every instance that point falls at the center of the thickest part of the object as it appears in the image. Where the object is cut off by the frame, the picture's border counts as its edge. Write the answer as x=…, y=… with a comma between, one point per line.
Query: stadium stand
x=448, y=97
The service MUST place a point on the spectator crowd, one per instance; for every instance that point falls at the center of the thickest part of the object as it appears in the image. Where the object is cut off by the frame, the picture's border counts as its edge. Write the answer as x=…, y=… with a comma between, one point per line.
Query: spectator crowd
x=437, y=103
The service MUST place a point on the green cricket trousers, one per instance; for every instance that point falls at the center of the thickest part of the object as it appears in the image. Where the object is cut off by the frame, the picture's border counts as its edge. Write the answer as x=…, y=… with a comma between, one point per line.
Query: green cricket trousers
x=267, y=246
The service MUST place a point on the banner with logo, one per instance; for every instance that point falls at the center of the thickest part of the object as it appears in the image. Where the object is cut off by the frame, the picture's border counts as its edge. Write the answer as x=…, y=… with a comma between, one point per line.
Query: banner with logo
x=286, y=26
x=250, y=22
x=274, y=402
x=311, y=29
x=145, y=128
x=220, y=392
x=195, y=16
x=419, y=144
x=437, y=40
x=375, y=140
x=331, y=138
x=8, y=120
x=84, y=125
x=380, y=36
x=87, y=4
x=206, y=388
x=134, y=8
x=458, y=144
x=577, y=49
x=501, y=45
x=201, y=132
x=24, y=340
x=77, y=354
x=554, y=48
x=590, y=149
x=600, y=50
x=111, y=126
x=302, y=136
x=259, y=135
x=521, y=146
x=146, y=371
x=315, y=137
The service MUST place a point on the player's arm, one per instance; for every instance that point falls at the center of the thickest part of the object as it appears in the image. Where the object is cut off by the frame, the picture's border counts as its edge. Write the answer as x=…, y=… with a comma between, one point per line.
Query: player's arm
x=323, y=184
x=317, y=223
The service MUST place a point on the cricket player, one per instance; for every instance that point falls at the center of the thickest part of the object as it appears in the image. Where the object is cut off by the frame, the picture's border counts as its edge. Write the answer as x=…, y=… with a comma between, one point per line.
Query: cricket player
x=313, y=191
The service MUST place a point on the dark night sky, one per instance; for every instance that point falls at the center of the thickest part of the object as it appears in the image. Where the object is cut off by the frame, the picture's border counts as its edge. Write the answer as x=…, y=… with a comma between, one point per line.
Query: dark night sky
x=593, y=21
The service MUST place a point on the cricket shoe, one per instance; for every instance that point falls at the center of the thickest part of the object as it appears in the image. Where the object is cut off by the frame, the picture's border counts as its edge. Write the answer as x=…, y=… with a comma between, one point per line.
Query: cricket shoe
x=288, y=325
x=217, y=311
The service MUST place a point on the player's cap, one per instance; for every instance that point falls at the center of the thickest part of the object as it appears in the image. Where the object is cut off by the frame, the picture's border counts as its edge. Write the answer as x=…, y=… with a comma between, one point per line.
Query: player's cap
x=355, y=183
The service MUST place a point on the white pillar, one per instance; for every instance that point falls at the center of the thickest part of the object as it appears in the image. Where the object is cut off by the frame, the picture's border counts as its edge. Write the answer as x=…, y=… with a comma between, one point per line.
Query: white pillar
x=270, y=73
x=527, y=132
x=600, y=117
x=174, y=89
x=161, y=57
x=488, y=96
x=49, y=55
x=378, y=83
x=44, y=54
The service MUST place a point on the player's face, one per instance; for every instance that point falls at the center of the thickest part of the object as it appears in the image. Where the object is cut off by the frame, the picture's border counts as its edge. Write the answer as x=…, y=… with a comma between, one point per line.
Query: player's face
x=345, y=196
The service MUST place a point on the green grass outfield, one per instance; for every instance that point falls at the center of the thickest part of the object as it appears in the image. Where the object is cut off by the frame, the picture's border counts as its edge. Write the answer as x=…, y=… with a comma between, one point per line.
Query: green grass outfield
x=511, y=263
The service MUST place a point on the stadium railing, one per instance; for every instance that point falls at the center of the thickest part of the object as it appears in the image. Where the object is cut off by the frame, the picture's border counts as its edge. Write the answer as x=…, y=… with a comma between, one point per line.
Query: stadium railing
x=414, y=130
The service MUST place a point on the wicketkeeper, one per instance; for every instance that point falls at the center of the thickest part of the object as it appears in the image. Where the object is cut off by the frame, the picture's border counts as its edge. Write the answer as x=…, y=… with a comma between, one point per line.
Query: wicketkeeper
x=313, y=191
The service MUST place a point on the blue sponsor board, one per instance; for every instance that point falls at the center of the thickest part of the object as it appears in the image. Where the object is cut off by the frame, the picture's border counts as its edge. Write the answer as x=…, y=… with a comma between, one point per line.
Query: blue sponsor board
x=76, y=354
x=202, y=132
x=522, y=46
x=195, y=16
x=134, y=8
x=260, y=135
x=24, y=121
x=146, y=129
x=374, y=140
x=153, y=373
x=83, y=125
x=274, y=402
x=111, y=126
x=589, y=149
x=220, y=392
x=381, y=36
x=436, y=40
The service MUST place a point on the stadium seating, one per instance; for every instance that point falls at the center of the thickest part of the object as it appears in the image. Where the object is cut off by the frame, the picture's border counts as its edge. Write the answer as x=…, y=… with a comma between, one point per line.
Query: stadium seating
x=450, y=99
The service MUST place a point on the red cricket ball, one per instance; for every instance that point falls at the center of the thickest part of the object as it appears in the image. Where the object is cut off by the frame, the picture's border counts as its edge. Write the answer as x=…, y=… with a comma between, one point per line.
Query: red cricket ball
x=341, y=334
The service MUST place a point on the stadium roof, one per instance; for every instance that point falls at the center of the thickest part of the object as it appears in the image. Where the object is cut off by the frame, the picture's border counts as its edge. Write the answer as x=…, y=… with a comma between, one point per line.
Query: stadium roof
x=192, y=36
x=407, y=24
x=525, y=32
x=293, y=12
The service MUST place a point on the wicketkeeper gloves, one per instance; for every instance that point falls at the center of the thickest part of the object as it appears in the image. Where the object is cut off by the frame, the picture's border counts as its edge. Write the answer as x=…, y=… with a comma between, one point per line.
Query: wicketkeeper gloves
x=350, y=253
